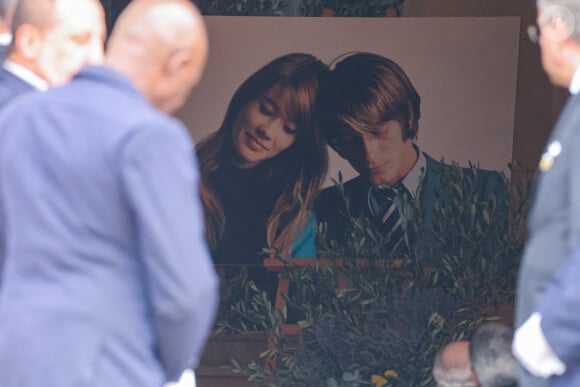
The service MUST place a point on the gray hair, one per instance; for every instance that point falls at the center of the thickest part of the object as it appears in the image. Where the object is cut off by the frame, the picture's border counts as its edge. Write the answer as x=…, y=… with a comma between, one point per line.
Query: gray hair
x=491, y=356
x=451, y=376
x=569, y=10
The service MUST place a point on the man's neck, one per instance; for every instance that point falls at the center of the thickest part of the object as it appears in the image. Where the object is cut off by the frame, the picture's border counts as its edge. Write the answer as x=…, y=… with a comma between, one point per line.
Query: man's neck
x=414, y=175
x=411, y=158
x=414, y=171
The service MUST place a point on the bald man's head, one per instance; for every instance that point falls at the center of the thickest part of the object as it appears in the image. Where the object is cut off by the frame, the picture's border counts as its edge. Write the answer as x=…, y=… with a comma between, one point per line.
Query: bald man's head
x=452, y=367
x=54, y=38
x=161, y=45
x=39, y=14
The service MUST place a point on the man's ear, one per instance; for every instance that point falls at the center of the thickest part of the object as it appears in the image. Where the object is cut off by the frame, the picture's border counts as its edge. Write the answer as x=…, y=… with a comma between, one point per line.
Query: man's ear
x=177, y=60
x=27, y=41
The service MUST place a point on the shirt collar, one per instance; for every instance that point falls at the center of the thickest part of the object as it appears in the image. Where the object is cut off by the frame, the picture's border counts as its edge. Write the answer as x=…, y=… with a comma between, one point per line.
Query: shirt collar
x=575, y=85
x=26, y=75
x=5, y=39
x=412, y=179
x=410, y=182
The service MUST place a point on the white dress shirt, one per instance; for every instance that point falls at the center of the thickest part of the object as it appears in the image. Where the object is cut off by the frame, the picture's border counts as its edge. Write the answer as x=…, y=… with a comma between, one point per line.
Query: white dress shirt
x=187, y=380
x=533, y=351
x=575, y=84
x=26, y=75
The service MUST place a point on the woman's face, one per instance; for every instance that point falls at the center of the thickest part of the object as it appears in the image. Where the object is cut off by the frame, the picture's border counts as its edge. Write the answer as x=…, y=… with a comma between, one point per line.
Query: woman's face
x=262, y=129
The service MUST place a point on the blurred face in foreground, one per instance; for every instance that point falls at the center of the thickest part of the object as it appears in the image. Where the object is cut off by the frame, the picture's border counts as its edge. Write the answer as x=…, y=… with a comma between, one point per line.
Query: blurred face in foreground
x=75, y=39
x=556, y=24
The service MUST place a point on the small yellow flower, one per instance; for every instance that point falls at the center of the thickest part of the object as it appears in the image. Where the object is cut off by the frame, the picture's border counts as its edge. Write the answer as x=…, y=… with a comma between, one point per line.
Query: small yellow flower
x=392, y=373
x=378, y=380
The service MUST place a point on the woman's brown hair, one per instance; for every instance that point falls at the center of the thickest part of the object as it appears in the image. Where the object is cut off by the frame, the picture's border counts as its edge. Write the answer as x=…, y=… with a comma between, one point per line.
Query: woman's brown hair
x=301, y=168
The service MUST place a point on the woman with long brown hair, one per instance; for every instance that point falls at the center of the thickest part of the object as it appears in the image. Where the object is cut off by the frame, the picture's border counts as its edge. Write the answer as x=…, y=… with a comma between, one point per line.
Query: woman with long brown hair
x=262, y=169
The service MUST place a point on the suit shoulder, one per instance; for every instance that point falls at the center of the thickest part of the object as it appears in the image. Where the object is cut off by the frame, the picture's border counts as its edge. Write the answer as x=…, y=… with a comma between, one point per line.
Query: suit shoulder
x=483, y=175
x=158, y=129
x=485, y=181
x=11, y=87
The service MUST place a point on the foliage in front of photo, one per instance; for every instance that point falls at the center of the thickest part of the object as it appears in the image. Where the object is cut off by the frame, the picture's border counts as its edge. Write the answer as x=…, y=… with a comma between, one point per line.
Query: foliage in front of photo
x=340, y=8
x=370, y=320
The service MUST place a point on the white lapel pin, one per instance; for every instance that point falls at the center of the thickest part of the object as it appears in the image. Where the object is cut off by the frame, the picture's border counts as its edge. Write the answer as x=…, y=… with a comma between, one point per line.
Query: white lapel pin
x=554, y=149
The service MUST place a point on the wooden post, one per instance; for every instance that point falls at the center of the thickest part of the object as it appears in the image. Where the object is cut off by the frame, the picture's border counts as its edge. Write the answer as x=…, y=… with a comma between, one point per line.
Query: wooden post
x=327, y=12
x=392, y=12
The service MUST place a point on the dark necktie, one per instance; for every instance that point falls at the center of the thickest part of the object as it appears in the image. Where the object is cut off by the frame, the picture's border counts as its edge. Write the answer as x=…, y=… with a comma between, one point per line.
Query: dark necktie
x=384, y=207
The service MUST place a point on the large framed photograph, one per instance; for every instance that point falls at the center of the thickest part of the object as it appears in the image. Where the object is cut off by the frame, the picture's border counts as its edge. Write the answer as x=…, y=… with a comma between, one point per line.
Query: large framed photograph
x=464, y=69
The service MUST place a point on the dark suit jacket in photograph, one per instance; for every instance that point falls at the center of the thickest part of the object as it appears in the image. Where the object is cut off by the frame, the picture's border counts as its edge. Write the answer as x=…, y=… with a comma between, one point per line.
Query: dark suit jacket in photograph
x=330, y=206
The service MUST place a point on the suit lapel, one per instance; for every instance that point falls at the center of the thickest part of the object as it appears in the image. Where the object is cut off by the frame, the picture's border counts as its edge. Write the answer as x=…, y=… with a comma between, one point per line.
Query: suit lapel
x=566, y=126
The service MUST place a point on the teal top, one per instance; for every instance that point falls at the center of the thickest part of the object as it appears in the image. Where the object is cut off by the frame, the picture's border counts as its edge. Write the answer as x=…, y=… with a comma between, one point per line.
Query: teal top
x=305, y=245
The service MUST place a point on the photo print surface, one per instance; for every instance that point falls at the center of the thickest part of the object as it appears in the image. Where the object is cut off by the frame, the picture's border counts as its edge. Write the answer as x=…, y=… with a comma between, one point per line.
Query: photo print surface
x=463, y=69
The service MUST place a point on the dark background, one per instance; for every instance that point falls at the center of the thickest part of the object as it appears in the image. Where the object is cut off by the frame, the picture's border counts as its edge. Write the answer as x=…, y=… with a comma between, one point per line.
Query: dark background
x=112, y=9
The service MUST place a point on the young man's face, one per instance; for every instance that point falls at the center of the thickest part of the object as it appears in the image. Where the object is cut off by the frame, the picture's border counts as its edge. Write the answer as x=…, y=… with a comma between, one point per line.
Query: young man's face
x=382, y=156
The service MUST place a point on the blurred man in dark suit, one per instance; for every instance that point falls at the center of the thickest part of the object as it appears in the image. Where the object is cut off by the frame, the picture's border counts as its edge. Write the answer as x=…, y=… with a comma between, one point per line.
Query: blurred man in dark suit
x=554, y=221
x=107, y=279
